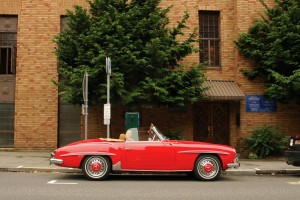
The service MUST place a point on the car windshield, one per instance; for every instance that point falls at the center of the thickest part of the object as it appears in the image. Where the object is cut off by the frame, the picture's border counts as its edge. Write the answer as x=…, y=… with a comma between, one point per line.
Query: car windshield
x=144, y=134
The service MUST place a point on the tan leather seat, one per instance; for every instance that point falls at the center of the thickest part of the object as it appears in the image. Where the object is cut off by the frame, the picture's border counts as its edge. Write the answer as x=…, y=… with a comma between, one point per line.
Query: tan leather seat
x=122, y=137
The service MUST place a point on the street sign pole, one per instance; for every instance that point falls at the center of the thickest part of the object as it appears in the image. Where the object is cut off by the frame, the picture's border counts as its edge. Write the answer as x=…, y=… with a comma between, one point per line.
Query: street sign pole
x=107, y=109
x=85, y=106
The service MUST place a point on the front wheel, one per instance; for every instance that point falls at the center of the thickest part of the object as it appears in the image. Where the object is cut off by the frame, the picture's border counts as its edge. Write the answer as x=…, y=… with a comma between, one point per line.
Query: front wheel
x=207, y=168
x=96, y=167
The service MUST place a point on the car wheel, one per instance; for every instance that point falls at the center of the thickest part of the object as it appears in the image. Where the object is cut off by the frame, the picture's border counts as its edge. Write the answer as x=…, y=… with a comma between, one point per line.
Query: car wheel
x=96, y=167
x=207, y=168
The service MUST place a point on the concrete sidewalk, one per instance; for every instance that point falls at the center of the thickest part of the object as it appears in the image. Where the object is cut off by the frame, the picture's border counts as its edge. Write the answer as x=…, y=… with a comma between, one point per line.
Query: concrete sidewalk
x=39, y=162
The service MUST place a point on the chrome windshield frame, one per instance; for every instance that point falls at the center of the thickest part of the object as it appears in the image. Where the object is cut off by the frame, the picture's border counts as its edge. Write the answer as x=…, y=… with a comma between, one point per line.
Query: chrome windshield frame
x=159, y=134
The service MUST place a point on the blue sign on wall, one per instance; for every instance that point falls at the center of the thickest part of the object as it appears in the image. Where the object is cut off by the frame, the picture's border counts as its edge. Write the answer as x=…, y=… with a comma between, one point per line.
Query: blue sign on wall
x=257, y=103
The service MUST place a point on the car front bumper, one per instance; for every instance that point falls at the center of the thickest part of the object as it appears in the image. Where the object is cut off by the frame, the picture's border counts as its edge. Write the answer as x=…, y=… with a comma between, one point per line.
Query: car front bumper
x=235, y=164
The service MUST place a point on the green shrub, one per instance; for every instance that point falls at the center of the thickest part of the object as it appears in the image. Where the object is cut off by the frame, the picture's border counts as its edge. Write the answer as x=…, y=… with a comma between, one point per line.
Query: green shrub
x=252, y=156
x=266, y=140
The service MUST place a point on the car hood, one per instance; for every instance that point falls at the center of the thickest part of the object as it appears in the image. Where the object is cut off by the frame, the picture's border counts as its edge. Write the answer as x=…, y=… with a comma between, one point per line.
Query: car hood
x=202, y=144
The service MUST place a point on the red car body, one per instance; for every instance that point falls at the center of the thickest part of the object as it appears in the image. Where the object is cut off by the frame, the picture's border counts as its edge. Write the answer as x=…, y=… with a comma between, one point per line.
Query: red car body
x=153, y=154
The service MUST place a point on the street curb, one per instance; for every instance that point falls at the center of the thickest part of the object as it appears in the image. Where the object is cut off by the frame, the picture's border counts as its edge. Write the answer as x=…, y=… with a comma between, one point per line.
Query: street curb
x=42, y=170
x=249, y=172
x=240, y=172
x=279, y=172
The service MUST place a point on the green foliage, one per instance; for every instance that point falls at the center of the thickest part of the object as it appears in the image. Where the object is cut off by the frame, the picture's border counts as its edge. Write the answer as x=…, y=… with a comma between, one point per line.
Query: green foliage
x=144, y=51
x=252, y=156
x=266, y=140
x=174, y=135
x=273, y=44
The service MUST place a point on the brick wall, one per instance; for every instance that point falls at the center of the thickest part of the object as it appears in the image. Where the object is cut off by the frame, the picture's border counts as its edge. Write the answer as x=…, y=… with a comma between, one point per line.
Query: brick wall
x=287, y=115
x=36, y=97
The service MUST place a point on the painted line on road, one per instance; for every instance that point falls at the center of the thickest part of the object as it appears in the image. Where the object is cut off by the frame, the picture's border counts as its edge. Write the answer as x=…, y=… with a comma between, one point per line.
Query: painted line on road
x=60, y=183
x=294, y=183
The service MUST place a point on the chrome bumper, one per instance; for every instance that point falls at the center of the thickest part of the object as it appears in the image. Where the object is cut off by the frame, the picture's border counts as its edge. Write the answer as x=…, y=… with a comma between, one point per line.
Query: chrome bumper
x=235, y=164
x=55, y=160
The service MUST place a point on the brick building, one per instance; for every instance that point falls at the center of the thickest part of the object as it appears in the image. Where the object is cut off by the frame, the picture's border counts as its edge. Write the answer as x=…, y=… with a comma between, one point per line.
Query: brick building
x=32, y=118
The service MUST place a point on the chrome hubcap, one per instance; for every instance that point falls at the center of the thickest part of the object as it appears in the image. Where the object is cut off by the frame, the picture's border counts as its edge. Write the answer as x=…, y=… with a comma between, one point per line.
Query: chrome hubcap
x=96, y=167
x=208, y=168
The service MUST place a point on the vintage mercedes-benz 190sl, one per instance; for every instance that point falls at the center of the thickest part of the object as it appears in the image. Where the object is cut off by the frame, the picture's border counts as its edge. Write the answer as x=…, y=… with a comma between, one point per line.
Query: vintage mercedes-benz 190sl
x=145, y=151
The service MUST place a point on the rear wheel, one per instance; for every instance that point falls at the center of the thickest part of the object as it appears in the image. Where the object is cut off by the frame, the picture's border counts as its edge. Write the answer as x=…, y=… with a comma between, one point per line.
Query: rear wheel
x=207, y=168
x=96, y=167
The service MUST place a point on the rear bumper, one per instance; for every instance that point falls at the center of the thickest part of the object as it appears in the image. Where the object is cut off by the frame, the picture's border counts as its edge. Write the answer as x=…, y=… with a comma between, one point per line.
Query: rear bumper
x=55, y=160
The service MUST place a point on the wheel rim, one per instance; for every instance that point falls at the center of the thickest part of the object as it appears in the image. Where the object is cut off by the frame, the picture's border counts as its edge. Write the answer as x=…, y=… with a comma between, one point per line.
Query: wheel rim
x=208, y=168
x=96, y=167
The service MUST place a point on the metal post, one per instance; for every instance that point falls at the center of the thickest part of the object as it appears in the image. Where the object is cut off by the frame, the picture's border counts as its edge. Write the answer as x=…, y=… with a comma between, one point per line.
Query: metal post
x=85, y=106
x=107, y=110
x=108, y=97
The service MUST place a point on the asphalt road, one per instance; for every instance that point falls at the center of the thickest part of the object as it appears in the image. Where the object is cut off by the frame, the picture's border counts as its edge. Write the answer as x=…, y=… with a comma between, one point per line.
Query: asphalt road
x=56, y=186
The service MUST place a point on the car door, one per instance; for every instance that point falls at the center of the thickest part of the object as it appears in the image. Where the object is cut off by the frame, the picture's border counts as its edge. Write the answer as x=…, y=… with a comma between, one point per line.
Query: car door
x=148, y=155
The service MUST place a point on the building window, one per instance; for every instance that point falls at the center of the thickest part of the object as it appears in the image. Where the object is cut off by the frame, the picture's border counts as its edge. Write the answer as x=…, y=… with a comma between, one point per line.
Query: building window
x=7, y=125
x=209, y=30
x=8, y=43
x=8, y=52
x=63, y=23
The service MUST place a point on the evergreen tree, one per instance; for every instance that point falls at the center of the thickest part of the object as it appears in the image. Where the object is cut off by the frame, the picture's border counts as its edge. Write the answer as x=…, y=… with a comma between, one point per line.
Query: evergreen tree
x=273, y=44
x=144, y=50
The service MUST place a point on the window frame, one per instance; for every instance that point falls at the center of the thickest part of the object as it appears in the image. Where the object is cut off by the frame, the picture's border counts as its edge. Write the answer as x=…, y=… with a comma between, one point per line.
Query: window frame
x=210, y=38
x=10, y=60
x=8, y=40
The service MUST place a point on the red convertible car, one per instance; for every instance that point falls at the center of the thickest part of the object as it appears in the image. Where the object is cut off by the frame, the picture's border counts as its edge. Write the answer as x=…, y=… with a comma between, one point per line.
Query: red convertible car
x=145, y=151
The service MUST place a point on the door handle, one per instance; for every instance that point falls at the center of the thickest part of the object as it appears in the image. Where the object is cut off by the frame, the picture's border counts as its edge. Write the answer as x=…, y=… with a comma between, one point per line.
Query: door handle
x=127, y=149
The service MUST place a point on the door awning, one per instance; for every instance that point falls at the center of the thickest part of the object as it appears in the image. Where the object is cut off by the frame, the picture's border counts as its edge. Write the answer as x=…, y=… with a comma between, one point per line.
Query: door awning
x=223, y=90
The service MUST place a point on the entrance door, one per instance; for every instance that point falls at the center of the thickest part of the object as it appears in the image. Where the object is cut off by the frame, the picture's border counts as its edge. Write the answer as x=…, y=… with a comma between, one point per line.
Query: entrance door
x=211, y=122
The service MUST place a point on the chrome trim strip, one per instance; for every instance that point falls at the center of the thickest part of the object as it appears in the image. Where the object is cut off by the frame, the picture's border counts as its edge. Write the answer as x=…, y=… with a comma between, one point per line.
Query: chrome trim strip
x=199, y=152
x=56, y=161
x=88, y=153
x=117, y=167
